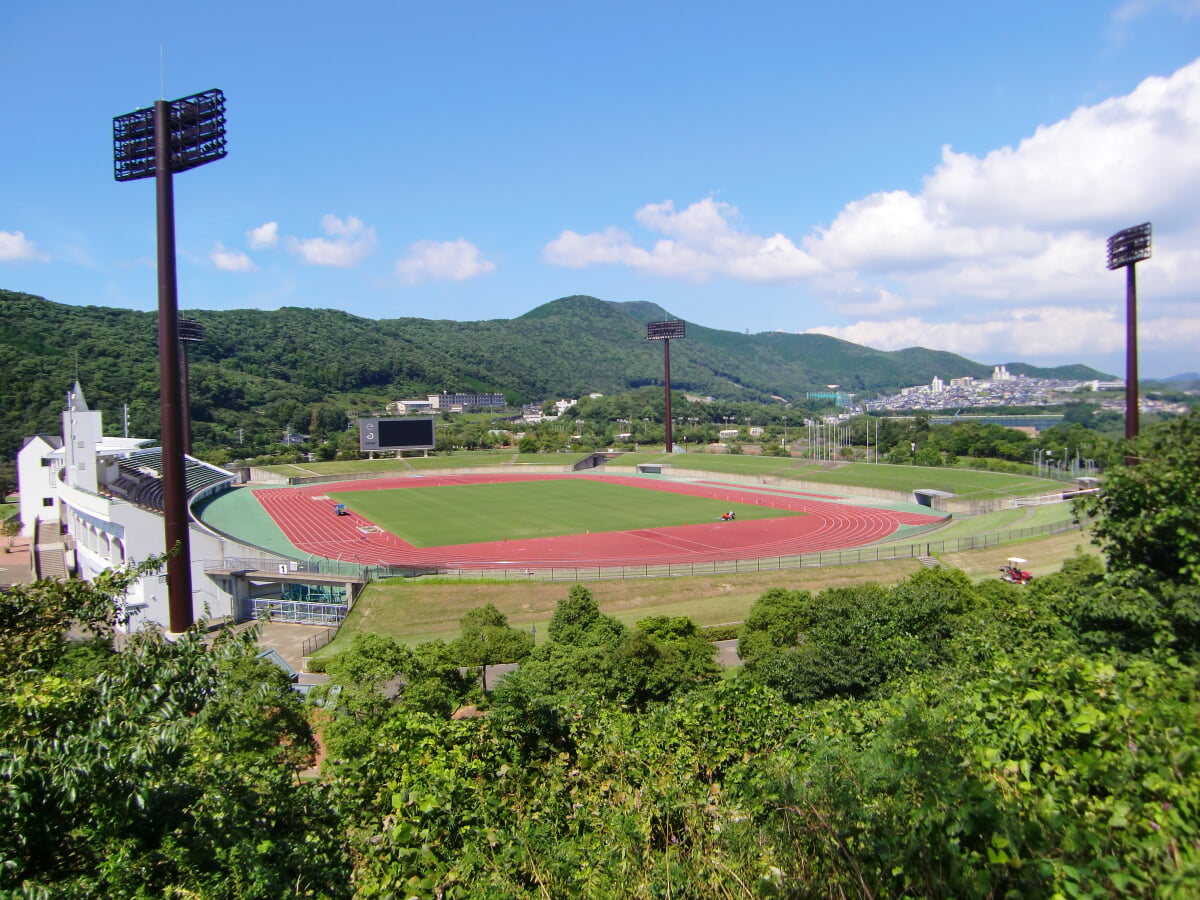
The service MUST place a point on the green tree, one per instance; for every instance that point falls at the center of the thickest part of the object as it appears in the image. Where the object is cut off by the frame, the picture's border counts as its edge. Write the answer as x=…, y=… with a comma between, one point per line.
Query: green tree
x=662, y=656
x=486, y=639
x=774, y=623
x=1148, y=514
x=167, y=769
x=851, y=641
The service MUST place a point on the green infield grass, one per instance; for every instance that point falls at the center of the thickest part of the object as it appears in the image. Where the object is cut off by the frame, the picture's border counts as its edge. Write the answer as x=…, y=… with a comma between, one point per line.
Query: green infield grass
x=478, y=513
x=462, y=459
x=724, y=463
x=965, y=484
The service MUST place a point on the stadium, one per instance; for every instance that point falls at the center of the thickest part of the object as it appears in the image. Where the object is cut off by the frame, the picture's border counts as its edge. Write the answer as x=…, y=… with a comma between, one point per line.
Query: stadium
x=91, y=503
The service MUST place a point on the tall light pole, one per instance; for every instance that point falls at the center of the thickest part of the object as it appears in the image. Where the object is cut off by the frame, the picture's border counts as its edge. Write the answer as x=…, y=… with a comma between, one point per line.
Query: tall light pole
x=172, y=136
x=1126, y=249
x=664, y=331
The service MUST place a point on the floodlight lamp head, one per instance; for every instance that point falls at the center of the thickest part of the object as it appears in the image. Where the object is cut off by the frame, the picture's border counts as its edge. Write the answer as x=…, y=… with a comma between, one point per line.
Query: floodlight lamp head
x=191, y=330
x=197, y=136
x=1129, y=246
x=662, y=331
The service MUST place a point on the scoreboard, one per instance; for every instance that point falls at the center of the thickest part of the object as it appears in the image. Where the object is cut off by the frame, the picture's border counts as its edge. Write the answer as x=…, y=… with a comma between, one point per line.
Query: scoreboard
x=408, y=433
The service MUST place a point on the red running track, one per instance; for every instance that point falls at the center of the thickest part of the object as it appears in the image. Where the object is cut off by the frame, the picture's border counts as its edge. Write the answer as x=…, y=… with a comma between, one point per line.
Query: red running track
x=310, y=524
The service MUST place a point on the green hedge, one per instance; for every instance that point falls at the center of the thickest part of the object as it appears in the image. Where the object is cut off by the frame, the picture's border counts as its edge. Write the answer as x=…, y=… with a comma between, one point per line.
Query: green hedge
x=716, y=633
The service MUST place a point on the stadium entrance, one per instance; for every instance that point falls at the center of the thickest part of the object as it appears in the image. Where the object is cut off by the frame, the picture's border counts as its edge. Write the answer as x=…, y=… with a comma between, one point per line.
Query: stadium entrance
x=304, y=604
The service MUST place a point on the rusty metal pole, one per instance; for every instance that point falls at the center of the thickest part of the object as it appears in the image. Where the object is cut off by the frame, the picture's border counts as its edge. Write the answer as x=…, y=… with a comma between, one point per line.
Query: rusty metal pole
x=670, y=441
x=185, y=399
x=1131, y=354
x=179, y=564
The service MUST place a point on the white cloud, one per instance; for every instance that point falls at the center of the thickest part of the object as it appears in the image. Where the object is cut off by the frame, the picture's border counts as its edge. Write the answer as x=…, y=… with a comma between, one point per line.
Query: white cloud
x=1017, y=333
x=348, y=244
x=882, y=303
x=1030, y=222
x=1004, y=254
x=1136, y=9
x=15, y=247
x=265, y=235
x=231, y=260
x=1020, y=224
x=1091, y=169
x=700, y=241
x=442, y=261
x=1000, y=255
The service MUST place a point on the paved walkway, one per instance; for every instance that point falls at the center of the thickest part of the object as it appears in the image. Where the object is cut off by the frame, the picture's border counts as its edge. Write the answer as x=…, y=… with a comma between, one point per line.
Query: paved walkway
x=287, y=640
x=14, y=562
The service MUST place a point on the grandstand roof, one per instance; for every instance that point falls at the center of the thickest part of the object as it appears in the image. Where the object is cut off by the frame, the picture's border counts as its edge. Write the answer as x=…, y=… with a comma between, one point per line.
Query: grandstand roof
x=119, y=445
x=141, y=477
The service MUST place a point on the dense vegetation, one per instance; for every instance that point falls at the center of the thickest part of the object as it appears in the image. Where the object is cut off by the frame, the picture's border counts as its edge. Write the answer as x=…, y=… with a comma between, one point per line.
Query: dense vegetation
x=258, y=373
x=936, y=738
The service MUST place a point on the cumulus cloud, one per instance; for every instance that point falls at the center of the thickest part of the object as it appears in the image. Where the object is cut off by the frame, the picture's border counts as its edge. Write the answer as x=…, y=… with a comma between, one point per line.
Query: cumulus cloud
x=988, y=236
x=348, y=242
x=15, y=247
x=700, y=241
x=1092, y=168
x=993, y=246
x=264, y=236
x=230, y=260
x=442, y=261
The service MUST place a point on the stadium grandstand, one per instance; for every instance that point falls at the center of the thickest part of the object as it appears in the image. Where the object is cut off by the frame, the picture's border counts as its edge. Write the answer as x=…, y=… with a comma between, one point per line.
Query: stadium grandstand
x=90, y=503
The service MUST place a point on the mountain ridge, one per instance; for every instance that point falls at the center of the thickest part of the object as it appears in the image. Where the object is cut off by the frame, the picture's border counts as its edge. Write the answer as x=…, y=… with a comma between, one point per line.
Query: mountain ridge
x=255, y=364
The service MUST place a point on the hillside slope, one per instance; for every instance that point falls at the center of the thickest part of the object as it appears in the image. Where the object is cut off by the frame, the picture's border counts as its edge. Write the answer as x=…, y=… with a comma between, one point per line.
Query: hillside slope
x=256, y=363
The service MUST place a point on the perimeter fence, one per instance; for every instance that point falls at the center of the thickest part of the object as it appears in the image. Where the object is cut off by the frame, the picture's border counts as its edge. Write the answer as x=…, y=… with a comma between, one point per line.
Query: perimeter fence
x=913, y=550
x=466, y=569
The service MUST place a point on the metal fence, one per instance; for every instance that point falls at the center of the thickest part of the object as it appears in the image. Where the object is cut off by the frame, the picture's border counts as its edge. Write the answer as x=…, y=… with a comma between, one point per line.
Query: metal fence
x=314, y=565
x=913, y=550
x=676, y=570
x=311, y=645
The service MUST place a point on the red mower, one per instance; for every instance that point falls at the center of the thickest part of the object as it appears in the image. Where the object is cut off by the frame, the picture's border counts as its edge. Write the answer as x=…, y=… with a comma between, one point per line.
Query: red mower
x=1014, y=573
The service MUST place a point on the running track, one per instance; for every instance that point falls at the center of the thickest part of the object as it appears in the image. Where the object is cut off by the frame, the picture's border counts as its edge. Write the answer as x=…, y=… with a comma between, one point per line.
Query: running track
x=310, y=524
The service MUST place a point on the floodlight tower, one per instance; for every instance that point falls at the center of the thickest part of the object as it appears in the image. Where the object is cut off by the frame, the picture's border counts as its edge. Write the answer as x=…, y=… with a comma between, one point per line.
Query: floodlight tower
x=1126, y=249
x=172, y=136
x=664, y=331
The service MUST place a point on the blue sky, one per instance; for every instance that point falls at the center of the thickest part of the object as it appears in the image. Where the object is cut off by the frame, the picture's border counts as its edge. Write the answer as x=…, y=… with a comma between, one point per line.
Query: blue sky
x=933, y=174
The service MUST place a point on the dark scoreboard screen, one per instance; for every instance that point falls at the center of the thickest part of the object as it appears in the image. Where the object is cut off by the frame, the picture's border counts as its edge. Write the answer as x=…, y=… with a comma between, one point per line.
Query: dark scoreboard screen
x=396, y=434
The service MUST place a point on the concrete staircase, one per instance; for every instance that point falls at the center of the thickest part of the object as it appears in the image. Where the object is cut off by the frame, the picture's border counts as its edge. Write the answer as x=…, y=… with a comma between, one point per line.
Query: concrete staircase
x=48, y=558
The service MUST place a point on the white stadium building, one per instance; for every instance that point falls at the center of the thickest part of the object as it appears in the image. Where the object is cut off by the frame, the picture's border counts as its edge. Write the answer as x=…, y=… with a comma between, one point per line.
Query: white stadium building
x=90, y=503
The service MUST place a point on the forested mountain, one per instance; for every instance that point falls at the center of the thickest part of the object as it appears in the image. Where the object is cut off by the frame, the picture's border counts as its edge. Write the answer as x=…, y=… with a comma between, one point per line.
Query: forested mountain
x=260, y=370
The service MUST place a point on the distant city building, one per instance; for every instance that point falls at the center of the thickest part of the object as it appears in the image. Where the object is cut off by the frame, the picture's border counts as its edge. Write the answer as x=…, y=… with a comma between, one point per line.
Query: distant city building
x=408, y=407
x=1001, y=373
x=840, y=398
x=937, y=385
x=460, y=401
x=1012, y=390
